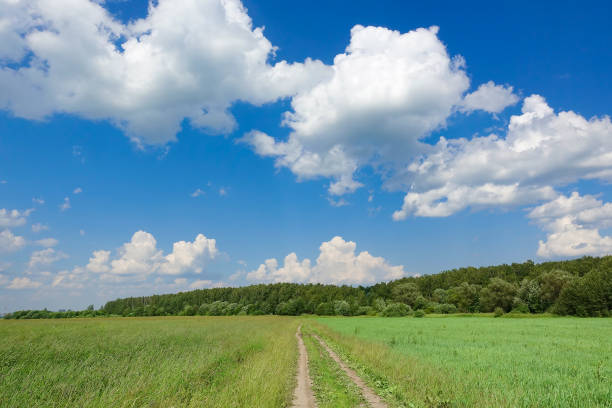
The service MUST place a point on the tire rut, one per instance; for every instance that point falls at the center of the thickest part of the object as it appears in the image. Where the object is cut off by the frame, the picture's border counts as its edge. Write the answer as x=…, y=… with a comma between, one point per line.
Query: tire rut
x=370, y=396
x=303, y=397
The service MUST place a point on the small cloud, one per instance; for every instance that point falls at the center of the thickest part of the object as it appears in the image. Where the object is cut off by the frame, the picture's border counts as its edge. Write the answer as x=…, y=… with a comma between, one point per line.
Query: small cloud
x=45, y=257
x=77, y=152
x=82, y=232
x=370, y=198
x=199, y=284
x=77, y=190
x=372, y=211
x=37, y=200
x=222, y=191
x=38, y=227
x=236, y=275
x=3, y=181
x=47, y=242
x=243, y=263
x=198, y=192
x=23, y=283
x=337, y=203
x=65, y=205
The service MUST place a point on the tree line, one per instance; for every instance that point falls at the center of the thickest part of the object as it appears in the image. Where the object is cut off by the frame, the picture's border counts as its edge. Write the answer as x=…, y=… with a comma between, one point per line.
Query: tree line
x=580, y=287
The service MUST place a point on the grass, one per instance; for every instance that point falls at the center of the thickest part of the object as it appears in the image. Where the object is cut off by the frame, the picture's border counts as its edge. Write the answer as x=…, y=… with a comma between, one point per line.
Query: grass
x=331, y=386
x=148, y=362
x=479, y=361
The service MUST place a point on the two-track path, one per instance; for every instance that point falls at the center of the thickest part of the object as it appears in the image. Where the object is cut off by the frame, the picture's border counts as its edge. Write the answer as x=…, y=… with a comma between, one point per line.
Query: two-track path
x=303, y=396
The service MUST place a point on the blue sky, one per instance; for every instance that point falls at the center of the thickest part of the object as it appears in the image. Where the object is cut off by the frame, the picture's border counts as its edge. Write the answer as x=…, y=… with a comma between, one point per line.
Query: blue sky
x=156, y=149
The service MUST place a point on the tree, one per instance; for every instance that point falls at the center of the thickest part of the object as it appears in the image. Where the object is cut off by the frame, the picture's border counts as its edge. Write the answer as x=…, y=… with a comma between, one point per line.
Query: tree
x=465, y=296
x=551, y=285
x=531, y=295
x=406, y=293
x=498, y=293
x=342, y=308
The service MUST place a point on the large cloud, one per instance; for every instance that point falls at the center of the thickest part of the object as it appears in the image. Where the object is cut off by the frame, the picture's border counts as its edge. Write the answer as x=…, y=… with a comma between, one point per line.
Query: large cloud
x=573, y=225
x=541, y=150
x=189, y=59
x=337, y=264
x=387, y=91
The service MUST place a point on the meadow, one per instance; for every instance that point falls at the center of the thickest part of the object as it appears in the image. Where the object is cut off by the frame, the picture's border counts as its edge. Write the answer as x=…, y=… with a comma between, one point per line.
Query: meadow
x=250, y=361
x=479, y=361
x=148, y=362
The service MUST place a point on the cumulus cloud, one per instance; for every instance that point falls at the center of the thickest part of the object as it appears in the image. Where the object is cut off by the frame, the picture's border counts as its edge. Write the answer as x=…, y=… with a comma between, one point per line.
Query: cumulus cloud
x=10, y=242
x=540, y=151
x=387, y=91
x=140, y=258
x=23, y=283
x=572, y=224
x=13, y=218
x=337, y=263
x=77, y=190
x=45, y=257
x=490, y=98
x=190, y=59
x=197, y=192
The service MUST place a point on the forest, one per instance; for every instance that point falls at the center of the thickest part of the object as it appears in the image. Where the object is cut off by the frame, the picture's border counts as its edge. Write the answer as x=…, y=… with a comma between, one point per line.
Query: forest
x=580, y=287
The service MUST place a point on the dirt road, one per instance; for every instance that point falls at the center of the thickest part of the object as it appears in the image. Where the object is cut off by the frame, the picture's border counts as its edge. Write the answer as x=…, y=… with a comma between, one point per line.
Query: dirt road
x=303, y=396
x=373, y=400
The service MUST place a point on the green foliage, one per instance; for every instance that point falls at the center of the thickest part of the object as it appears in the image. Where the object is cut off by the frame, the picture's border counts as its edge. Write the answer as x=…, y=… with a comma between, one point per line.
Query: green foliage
x=498, y=312
x=419, y=313
x=407, y=293
x=498, y=293
x=396, y=309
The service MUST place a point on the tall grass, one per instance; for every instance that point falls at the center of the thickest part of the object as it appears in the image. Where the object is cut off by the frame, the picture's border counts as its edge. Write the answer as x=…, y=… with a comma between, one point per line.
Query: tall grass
x=152, y=362
x=480, y=362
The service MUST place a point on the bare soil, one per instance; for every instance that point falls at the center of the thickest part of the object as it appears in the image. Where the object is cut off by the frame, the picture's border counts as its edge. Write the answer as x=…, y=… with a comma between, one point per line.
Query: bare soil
x=303, y=397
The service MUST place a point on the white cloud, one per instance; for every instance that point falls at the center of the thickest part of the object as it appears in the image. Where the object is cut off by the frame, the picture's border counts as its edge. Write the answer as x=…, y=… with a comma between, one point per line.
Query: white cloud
x=10, y=242
x=23, y=283
x=37, y=200
x=189, y=59
x=198, y=192
x=541, y=150
x=140, y=258
x=99, y=262
x=77, y=190
x=337, y=264
x=38, y=227
x=45, y=257
x=490, y=98
x=13, y=218
x=222, y=191
x=200, y=284
x=572, y=224
x=47, y=242
x=65, y=205
x=387, y=91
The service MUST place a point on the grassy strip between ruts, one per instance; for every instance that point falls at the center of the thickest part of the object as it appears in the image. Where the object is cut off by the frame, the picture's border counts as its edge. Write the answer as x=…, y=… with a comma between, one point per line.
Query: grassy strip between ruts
x=152, y=362
x=480, y=362
x=331, y=386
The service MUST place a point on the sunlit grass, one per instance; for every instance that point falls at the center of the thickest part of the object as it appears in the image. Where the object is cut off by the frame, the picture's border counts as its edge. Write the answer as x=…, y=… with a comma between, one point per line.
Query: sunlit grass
x=476, y=361
x=331, y=386
x=154, y=362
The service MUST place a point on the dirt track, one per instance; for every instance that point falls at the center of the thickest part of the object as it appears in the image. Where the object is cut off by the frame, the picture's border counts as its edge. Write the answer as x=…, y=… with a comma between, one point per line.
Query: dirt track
x=303, y=396
x=373, y=400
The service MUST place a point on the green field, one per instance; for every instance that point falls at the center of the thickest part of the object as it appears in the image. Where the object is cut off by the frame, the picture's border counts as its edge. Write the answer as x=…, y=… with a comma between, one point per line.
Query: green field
x=434, y=362
x=152, y=362
x=480, y=361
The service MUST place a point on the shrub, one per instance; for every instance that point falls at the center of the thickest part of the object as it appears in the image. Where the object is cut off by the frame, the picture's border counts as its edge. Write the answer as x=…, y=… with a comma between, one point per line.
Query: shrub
x=419, y=313
x=396, y=310
x=498, y=311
